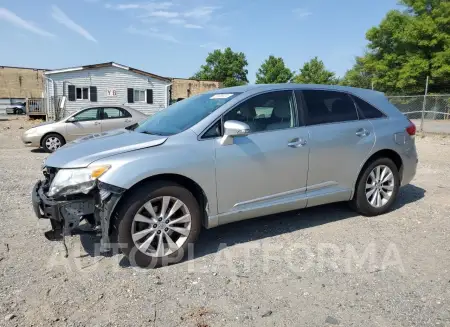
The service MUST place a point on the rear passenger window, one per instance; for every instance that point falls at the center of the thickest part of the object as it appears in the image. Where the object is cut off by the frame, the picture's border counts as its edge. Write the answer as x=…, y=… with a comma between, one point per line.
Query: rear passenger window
x=111, y=113
x=324, y=107
x=366, y=110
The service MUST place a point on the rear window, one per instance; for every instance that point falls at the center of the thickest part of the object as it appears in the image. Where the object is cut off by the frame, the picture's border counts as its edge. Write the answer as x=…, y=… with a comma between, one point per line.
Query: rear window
x=324, y=107
x=367, y=110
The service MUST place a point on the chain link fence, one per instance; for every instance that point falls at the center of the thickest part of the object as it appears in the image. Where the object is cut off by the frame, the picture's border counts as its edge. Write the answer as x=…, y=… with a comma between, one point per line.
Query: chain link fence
x=431, y=113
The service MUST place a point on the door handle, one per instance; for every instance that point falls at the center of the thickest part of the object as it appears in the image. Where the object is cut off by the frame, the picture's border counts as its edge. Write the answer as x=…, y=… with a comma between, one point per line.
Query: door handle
x=97, y=123
x=127, y=120
x=297, y=142
x=362, y=132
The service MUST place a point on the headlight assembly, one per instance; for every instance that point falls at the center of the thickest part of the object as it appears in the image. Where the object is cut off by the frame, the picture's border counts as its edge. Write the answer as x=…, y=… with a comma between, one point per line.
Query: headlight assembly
x=77, y=180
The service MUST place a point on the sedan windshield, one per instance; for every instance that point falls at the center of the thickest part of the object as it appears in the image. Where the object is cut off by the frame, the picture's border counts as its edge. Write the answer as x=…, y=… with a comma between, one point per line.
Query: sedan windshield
x=183, y=114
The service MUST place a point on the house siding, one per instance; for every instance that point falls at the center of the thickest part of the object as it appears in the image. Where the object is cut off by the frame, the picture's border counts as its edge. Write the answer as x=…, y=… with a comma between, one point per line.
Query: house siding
x=109, y=78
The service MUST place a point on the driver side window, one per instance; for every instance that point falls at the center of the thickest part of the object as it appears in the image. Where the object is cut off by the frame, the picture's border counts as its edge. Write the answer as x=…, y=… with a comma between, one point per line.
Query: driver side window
x=265, y=112
x=86, y=115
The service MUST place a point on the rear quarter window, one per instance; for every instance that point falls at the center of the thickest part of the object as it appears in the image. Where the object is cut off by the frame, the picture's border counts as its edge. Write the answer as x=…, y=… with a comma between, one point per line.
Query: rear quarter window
x=366, y=110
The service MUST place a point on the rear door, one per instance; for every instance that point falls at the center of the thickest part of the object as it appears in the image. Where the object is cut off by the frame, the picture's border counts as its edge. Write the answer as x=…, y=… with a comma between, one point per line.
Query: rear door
x=85, y=122
x=114, y=117
x=339, y=144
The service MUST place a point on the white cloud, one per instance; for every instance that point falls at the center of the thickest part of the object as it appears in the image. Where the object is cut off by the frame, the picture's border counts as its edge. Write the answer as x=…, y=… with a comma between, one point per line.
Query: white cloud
x=212, y=45
x=146, y=5
x=63, y=19
x=163, y=14
x=193, y=26
x=203, y=13
x=176, y=21
x=153, y=33
x=301, y=13
x=11, y=17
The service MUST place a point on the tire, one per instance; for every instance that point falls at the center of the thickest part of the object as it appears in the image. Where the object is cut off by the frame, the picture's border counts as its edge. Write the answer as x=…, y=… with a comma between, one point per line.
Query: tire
x=52, y=142
x=126, y=224
x=360, y=201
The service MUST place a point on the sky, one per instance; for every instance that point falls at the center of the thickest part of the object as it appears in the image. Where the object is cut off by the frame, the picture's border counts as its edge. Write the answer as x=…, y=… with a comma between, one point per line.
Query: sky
x=173, y=37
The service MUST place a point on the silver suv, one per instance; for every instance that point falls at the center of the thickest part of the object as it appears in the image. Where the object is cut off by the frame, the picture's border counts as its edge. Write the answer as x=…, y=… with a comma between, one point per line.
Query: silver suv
x=223, y=156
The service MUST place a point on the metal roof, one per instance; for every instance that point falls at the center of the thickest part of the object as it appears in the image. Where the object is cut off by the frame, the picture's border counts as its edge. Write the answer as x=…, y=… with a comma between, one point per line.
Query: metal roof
x=107, y=64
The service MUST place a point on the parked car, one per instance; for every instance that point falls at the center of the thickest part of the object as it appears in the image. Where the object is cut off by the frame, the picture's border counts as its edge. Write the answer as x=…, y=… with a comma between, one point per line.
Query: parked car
x=99, y=119
x=228, y=155
x=18, y=108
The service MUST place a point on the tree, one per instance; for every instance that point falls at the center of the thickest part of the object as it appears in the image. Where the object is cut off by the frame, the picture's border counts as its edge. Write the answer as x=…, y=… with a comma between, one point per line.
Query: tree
x=358, y=76
x=227, y=67
x=410, y=45
x=272, y=71
x=314, y=72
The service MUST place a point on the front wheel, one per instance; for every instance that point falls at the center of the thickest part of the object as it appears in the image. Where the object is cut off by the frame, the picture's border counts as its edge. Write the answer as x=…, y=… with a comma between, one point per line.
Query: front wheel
x=157, y=224
x=52, y=142
x=377, y=188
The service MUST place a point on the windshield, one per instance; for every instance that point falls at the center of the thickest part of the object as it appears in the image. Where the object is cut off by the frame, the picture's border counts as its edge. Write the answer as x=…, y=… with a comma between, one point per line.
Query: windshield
x=184, y=114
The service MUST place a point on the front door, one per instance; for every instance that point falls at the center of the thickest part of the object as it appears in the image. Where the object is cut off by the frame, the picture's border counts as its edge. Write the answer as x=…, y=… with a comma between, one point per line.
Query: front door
x=85, y=122
x=267, y=170
x=115, y=118
x=340, y=143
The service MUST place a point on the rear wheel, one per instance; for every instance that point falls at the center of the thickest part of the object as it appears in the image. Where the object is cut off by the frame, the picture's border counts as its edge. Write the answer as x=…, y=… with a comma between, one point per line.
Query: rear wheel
x=157, y=224
x=377, y=188
x=52, y=142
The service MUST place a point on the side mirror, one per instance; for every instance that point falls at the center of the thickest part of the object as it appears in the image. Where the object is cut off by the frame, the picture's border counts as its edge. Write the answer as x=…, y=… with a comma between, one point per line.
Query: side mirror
x=70, y=120
x=234, y=128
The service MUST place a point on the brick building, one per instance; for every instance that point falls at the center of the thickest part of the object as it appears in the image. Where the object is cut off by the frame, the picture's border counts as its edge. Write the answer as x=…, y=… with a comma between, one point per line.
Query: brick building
x=21, y=83
x=184, y=88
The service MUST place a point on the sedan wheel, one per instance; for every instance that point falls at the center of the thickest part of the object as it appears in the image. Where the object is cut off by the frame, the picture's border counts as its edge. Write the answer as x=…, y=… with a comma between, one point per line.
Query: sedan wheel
x=161, y=226
x=379, y=186
x=53, y=143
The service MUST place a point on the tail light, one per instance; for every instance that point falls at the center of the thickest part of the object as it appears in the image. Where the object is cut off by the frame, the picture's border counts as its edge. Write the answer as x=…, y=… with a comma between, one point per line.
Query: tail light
x=411, y=129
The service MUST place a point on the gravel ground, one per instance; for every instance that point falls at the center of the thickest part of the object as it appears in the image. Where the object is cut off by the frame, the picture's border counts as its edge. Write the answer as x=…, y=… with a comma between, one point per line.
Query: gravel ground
x=323, y=266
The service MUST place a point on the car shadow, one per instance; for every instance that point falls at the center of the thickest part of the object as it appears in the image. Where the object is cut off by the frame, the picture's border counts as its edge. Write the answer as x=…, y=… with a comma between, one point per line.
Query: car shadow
x=38, y=150
x=212, y=240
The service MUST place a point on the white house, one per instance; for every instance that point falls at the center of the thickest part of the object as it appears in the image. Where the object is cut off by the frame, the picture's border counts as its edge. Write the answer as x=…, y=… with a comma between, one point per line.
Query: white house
x=106, y=83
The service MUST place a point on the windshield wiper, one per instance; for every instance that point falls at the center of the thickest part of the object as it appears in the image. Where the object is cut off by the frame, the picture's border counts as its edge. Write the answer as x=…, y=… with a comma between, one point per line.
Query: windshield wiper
x=150, y=133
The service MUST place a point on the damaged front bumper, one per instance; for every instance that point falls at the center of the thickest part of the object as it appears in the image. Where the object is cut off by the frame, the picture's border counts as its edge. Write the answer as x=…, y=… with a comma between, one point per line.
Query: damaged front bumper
x=66, y=213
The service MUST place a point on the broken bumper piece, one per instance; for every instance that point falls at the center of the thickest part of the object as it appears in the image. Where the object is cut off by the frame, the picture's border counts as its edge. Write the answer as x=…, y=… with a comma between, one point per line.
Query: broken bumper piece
x=66, y=214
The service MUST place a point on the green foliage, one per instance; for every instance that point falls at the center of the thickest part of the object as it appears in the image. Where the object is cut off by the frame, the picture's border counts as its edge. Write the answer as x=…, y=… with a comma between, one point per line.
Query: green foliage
x=273, y=70
x=227, y=67
x=314, y=72
x=407, y=47
x=358, y=76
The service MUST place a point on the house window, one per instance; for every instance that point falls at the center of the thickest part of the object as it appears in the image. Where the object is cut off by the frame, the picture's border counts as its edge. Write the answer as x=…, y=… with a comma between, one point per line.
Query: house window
x=82, y=93
x=139, y=95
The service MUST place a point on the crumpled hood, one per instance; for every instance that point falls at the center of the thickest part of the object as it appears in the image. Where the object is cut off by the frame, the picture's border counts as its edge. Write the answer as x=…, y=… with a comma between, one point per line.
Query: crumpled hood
x=83, y=151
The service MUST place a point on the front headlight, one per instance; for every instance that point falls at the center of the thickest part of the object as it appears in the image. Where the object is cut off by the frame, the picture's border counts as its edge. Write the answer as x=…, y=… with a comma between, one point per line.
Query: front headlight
x=77, y=180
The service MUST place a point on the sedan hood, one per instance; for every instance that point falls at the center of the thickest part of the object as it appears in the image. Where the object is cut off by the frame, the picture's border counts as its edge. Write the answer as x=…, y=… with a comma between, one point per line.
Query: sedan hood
x=44, y=124
x=84, y=151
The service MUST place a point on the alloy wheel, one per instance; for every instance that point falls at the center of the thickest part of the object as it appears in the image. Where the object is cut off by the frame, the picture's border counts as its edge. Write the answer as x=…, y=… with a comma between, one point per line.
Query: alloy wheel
x=53, y=143
x=380, y=186
x=161, y=226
